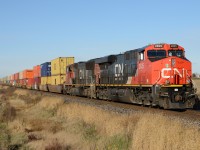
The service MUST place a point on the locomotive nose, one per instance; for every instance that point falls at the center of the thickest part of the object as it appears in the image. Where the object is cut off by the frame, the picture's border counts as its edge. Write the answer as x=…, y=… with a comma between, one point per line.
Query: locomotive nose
x=173, y=62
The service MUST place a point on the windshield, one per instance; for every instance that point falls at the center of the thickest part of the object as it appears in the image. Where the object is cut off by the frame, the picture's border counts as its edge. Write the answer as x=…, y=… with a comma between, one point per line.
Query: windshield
x=177, y=53
x=156, y=53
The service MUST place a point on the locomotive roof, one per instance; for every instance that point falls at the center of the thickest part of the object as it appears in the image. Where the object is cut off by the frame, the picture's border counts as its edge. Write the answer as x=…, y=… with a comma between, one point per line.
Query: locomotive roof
x=138, y=49
x=105, y=58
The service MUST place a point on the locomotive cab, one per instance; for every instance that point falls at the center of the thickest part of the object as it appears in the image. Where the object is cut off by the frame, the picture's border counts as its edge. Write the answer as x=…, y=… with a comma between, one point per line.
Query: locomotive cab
x=169, y=72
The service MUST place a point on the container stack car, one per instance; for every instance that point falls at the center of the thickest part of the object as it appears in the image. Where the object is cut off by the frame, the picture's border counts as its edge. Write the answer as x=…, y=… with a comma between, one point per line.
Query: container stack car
x=45, y=69
x=36, y=77
x=58, y=73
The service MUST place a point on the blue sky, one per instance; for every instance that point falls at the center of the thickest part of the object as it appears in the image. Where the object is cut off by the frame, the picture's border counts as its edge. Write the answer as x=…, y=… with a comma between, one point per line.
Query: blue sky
x=33, y=32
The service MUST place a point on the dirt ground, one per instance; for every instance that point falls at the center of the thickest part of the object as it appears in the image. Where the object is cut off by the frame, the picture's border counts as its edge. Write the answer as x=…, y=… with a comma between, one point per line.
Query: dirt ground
x=35, y=121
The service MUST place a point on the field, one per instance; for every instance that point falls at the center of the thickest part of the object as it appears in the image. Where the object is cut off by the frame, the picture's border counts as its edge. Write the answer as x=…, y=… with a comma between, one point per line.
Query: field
x=37, y=121
x=197, y=85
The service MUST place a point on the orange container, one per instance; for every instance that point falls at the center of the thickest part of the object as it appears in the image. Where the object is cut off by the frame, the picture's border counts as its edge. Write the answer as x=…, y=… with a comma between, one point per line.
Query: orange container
x=36, y=71
x=12, y=77
x=27, y=74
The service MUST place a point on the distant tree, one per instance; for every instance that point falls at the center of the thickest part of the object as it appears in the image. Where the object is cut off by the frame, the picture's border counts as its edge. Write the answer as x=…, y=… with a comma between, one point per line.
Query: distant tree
x=194, y=75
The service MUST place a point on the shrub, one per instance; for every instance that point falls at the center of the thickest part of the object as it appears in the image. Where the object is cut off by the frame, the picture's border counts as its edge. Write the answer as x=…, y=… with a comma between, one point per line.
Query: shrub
x=55, y=145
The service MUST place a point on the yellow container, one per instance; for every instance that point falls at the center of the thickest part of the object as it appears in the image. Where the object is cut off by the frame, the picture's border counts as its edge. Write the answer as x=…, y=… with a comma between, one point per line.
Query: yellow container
x=57, y=80
x=45, y=80
x=58, y=65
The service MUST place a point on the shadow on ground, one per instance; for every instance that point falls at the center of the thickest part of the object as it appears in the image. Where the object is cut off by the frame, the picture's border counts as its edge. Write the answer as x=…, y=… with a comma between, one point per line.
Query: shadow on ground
x=197, y=104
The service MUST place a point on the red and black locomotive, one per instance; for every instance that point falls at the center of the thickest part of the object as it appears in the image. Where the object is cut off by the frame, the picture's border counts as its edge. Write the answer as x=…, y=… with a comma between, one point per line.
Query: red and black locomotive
x=154, y=75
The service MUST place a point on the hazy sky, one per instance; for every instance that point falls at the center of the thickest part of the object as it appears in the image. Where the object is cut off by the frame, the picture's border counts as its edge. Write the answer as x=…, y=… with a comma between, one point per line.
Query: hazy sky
x=36, y=31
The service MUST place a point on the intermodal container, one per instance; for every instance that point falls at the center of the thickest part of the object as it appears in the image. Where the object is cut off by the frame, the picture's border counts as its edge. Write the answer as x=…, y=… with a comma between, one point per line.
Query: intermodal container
x=36, y=71
x=28, y=82
x=45, y=80
x=58, y=79
x=36, y=83
x=58, y=65
x=6, y=80
x=45, y=69
x=28, y=74
x=12, y=77
x=21, y=75
x=9, y=79
x=16, y=79
x=37, y=80
x=21, y=82
x=16, y=76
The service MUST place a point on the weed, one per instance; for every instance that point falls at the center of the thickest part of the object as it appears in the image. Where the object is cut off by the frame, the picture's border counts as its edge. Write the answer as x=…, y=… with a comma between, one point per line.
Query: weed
x=89, y=132
x=19, y=139
x=7, y=112
x=4, y=136
x=52, y=112
x=55, y=145
x=14, y=147
x=118, y=142
x=55, y=127
x=33, y=137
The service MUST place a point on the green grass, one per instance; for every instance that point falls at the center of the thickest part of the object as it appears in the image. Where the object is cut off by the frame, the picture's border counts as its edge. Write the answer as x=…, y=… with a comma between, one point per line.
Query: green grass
x=90, y=132
x=118, y=142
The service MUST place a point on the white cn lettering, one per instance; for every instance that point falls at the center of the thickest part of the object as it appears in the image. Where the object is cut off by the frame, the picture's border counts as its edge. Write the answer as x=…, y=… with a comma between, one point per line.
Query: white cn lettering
x=119, y=69
x=166, y=72
x=163, y=72
x=176, y=71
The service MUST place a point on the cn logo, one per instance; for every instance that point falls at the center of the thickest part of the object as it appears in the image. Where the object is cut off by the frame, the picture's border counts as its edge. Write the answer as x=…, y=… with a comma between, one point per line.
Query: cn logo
x=119, y=70
x=169, y=72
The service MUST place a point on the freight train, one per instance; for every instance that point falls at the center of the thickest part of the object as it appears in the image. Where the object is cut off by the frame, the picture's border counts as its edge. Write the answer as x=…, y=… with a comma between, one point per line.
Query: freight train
x=154, y=75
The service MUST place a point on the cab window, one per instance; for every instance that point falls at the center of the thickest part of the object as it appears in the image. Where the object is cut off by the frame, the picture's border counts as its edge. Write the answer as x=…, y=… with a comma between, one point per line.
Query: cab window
x=142, y=55
x=156, y=53
x=178, y=53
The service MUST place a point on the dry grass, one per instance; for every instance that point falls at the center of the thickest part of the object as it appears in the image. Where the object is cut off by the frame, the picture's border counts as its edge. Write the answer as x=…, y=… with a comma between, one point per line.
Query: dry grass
x=51, y=103
x=18, y=104
x=112, y=123
x=21, y=92
x=7, y=112
x=51, y=124
x=155, y=132
x=149, y=131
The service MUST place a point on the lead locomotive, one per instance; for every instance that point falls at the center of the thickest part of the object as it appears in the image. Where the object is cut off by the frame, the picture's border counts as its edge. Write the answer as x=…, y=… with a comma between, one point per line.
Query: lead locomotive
x=155, y=75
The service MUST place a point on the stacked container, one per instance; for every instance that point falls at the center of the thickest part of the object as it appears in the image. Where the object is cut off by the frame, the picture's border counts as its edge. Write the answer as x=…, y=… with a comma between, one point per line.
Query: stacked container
x=12, y=79
x=16, y=79
x=37, y=77
x=45, y=69
x=58, y=73
x=8, y=80
x=27, y=80
x=20, y=79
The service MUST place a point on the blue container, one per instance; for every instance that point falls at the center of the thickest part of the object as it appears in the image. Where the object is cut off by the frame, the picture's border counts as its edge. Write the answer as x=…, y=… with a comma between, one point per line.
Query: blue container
x=45, y=69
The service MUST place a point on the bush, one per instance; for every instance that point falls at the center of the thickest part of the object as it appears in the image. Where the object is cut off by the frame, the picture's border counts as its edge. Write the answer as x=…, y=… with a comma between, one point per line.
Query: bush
x=55, y=145
x=7, y=112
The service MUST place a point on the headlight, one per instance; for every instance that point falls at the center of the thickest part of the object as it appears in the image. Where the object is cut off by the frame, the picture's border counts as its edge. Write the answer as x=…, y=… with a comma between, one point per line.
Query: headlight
x=176, y=90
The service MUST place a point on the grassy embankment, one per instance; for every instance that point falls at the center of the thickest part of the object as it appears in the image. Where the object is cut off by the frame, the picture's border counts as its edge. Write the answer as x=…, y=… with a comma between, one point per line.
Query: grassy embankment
x=39, y=122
